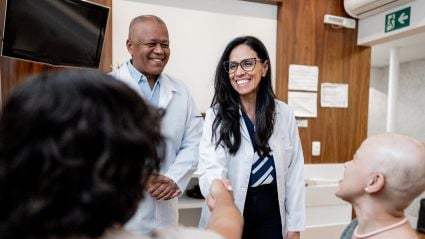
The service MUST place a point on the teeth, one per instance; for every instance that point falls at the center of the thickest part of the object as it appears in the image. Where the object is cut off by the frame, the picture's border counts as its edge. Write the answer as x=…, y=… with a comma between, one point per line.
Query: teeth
x=241, y=82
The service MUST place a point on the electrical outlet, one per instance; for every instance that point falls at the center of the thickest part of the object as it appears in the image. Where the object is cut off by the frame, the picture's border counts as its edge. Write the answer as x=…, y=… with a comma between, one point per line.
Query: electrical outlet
x=315, y=148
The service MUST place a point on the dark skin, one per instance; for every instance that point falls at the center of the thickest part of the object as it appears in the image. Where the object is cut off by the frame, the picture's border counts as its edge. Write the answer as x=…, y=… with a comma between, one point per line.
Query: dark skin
x=161, y=187
x=148, y=45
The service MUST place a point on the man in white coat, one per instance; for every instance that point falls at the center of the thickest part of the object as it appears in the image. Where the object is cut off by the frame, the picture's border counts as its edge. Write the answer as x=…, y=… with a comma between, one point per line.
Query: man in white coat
x=148, y=45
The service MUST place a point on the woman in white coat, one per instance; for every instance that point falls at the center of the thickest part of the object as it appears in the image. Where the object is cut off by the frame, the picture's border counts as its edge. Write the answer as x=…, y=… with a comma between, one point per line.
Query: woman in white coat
x=251, y=138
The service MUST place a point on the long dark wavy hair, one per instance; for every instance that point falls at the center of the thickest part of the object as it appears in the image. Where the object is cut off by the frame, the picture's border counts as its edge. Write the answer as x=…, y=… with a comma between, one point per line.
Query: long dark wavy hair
x=76, y=151
x=226, y=100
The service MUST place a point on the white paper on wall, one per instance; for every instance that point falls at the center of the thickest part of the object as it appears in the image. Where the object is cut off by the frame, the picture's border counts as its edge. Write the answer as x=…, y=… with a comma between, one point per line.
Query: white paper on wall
x=334, y=95
x=302, y=77
x=304, y=104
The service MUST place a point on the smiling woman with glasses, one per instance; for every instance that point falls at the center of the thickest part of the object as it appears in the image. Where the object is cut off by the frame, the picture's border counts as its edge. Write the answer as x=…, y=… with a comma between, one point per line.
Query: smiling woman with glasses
x=251, y=138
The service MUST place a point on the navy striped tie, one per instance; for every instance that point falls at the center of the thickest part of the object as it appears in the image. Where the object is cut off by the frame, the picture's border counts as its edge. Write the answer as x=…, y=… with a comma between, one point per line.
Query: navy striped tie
x=263, y=170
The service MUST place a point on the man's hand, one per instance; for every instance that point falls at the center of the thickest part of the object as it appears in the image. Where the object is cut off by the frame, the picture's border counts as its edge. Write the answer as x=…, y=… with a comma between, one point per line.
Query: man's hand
x=293, y=235
x=161, y=187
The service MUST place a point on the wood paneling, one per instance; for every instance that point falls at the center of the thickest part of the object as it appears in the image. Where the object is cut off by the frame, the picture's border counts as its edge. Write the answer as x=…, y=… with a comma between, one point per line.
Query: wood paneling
x=303, y=38
x=13, y=71
x=265, y=1
x=106, y=60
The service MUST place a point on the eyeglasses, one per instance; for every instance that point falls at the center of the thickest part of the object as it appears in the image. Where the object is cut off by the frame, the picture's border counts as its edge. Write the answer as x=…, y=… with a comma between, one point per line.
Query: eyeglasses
x=246, y=65
x=163, y=45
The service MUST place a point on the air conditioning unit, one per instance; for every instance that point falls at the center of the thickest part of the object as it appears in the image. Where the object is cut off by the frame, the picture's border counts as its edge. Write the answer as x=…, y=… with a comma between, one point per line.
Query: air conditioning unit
x=364, y=8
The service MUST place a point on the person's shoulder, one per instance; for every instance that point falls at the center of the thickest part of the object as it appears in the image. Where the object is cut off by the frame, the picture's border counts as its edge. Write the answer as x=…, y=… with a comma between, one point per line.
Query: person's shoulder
x=119, y=71
x=174, y=81
x=175, y=85
x=280, y=103
x=181, y=232
x=213, y=109
x=282, y=107
x=211, y=112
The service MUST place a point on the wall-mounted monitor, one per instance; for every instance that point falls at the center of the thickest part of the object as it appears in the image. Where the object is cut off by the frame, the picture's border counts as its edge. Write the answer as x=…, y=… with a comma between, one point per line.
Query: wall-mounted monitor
x=57, y=32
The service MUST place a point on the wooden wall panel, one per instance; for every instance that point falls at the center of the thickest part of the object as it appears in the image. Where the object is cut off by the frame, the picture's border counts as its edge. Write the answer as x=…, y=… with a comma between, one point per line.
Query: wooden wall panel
x=265, y=1
x=12, y=71
x=106, y=60
x=303, y=38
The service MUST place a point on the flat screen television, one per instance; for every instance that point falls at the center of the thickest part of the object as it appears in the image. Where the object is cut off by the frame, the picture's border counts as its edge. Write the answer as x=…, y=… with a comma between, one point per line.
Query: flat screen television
x=57, y=32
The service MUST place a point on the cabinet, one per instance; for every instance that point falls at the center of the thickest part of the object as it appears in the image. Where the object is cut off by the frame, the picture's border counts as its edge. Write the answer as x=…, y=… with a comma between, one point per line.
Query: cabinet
x=190, y=208
x=326, y=215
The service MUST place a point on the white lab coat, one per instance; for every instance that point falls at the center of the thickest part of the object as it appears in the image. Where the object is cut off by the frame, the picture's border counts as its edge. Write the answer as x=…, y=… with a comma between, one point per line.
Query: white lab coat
x=288, y=158
x=182, y=128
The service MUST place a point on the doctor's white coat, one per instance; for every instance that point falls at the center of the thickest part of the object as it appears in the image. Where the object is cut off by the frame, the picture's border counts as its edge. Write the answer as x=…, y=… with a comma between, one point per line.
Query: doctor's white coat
x=288, y=158
x=182, y=128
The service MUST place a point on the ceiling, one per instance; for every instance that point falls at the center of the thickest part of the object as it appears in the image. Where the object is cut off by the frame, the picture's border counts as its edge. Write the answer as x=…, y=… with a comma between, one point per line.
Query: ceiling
x=411, y=48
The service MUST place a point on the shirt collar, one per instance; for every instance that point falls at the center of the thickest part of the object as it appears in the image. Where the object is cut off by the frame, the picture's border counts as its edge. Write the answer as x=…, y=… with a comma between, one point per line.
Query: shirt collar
x=135, y=74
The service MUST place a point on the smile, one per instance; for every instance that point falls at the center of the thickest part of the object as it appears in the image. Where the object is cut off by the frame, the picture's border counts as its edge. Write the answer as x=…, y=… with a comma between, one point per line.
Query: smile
x=242, y=82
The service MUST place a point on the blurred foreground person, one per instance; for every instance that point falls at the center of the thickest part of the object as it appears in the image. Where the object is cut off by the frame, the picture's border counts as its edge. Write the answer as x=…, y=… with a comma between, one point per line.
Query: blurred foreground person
x=76, y=151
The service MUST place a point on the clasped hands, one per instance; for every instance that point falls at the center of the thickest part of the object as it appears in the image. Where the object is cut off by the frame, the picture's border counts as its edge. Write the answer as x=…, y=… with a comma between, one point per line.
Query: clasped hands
x=161, y=187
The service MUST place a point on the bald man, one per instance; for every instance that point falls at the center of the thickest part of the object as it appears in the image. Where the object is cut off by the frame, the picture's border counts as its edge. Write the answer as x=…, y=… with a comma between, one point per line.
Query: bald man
x=386, y=174
x=149, y=47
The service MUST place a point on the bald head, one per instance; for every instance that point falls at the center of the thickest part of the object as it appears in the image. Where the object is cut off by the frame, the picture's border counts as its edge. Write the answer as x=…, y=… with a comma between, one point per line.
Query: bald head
x=143, y=19
x=401, y=160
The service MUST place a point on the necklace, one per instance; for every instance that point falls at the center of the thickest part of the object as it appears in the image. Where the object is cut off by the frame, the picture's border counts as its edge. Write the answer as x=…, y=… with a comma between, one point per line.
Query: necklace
x=373, y=233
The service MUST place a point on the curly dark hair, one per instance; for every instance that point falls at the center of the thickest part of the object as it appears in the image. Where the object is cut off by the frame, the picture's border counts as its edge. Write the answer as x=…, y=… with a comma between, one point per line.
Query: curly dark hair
x=227, y=102
x=76, y=150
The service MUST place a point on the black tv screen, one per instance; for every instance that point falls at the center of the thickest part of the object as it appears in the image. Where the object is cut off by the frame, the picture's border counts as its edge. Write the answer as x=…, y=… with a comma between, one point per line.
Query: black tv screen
x=57, y=32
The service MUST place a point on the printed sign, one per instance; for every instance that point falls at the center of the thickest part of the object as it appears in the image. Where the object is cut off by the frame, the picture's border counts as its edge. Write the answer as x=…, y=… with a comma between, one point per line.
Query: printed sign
x=397, y=20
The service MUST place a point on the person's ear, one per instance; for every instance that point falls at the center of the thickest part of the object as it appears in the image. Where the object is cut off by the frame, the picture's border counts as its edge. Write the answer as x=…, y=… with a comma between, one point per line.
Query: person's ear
x=265, y=68
x=375, y=183
x=129, y=45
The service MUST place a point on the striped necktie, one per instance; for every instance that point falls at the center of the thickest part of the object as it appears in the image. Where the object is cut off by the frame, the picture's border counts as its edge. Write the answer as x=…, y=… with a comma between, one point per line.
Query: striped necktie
x=263, y=170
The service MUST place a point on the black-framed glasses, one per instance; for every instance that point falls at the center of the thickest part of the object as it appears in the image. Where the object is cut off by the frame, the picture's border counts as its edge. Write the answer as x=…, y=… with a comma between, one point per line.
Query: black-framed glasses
x=246, y=65
x=163, y=45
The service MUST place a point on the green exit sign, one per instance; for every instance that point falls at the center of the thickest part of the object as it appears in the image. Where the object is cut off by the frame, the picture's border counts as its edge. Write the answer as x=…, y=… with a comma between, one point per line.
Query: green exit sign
x=397, y=20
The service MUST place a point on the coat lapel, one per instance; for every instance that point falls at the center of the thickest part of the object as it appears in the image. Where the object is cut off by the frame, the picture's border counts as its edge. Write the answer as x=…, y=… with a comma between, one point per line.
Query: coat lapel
x=166, y=92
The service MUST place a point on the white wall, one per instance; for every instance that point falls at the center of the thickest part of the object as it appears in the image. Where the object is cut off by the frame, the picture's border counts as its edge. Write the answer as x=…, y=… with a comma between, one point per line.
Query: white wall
x=199, y=30
x=410, y=114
